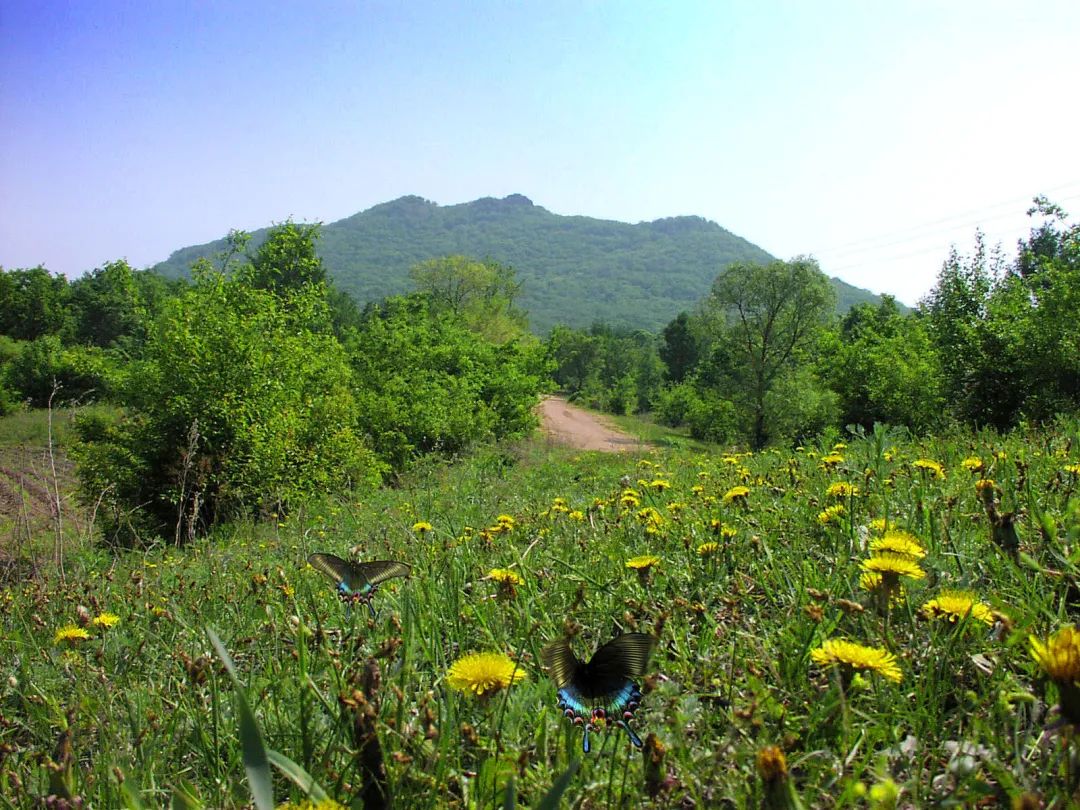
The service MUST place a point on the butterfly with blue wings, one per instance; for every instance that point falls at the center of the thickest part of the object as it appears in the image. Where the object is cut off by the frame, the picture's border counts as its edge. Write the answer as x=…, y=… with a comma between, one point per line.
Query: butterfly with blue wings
x=357, y=581
x=601, y=690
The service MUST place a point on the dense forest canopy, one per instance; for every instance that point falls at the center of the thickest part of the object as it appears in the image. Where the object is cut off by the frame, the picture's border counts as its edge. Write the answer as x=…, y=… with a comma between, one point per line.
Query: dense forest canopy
x=573, y=270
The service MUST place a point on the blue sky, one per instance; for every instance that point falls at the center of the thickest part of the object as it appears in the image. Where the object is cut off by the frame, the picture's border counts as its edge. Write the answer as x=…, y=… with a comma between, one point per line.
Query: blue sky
x=869, y=134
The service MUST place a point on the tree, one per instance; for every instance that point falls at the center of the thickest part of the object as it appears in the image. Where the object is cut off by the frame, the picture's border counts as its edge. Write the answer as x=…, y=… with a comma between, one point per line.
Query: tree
x=481, y=294
x=287, y=259
x=681, y=348
x=34, y=303
x=771, y=314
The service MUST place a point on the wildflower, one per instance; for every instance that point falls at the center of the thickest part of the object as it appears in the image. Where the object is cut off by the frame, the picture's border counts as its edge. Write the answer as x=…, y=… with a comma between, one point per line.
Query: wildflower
x=651, y=518
x=507, y=580
x=897, y=541
x=559, y=506
x=643, y=562
x=831, y=514
x=708, y=549
x=105, y=620
x=892, y=566
x=659, y=484
x=697, y=489
x=483, y=674
x=972, y=464
x=933, y=468
x=506, y=521
x=878, y=525
x=577, y=514
x=1059, y=657
x=956, y=606
x=722, y=529
x=737, y=494
x=70, y=633
x=1073, y=468
x=884, y=795
x=842, y=489
x=422, y=527
x=630, y=499
x=873, y=582
x=852, y=657
x=309, y=804
x=831, y=460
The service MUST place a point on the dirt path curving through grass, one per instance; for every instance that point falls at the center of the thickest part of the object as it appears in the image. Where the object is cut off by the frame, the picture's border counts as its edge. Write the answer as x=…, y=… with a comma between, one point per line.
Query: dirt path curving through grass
x=570, y=425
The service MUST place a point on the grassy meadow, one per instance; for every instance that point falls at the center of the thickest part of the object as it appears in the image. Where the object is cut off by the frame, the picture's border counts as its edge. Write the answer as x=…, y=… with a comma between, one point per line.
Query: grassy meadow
x=113, y=695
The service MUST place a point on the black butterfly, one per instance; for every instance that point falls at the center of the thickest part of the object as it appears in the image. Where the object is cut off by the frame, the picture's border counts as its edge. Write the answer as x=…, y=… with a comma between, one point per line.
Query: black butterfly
x=357, y=581
x=602, y=689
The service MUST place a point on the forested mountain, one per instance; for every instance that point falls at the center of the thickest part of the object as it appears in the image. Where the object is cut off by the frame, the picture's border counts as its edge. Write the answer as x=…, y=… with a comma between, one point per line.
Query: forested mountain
x=575, y=270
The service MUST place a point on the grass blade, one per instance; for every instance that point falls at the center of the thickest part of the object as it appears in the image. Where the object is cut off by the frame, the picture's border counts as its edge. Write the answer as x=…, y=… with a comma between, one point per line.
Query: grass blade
x=256, y=763
x=554, y=796
x=301, y=778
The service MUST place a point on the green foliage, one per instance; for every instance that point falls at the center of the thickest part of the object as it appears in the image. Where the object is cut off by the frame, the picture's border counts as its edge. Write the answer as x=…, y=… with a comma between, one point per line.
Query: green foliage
x=241, y=405
x=479, y=294
x=426, y=383
x=1007, y=334
x=682, y=347
x=884, y=368
x=613, y=370
x=573, y=269
x=33, y=304
x=286, y=260
x=770, y=316
x=44, y=369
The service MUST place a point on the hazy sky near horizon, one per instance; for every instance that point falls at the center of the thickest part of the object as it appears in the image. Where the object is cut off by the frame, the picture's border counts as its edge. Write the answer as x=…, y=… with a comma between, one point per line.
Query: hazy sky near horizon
x=871, y=135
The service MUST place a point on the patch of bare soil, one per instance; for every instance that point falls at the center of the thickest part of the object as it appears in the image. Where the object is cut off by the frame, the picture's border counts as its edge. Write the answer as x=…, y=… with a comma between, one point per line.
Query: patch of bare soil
x=573, y=426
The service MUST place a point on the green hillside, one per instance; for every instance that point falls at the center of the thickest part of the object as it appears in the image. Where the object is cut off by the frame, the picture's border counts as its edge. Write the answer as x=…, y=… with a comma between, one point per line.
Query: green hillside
x=576, y=270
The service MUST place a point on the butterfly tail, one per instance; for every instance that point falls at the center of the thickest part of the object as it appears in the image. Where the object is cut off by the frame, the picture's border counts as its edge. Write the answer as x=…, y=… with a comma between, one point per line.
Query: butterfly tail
x=371, y=607
x=634, y=738
x=585, y=746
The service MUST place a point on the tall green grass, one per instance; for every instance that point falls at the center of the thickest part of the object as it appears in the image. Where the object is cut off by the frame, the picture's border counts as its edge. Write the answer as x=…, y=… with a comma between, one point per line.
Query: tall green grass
x=144, y=713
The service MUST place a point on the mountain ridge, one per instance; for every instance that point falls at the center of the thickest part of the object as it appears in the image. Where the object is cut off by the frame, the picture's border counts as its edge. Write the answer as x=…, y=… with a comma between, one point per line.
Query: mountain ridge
x=575, y=269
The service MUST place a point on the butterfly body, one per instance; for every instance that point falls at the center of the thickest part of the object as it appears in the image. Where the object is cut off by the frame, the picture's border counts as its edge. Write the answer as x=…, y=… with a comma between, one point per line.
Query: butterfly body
x=357, y=582
x=601, y=691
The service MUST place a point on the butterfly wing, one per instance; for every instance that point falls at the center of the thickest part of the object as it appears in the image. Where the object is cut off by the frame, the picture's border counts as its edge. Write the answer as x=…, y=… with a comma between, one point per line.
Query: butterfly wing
x=378, y=571
x=560, y=662
x=608, y=675
x=624, y=656
x=333, y=566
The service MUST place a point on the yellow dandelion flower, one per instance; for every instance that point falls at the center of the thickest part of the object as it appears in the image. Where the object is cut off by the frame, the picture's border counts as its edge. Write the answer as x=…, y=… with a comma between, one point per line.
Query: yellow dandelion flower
x=892, y=566
x=878, y=525
x=984, y=485
x=842, y=489
x=106, y=620
x=855, y=657
x=507, y=521
x=956, y=606
x=708, y=549
x=697, y=489
x=422, y=527
x=1059, y=655
x=831, y=514
x=875, y=583
x=739, y=494
x=577, y=514
x=310, y=804
x=484, y=674
x=650, y=517
x=898, y=541
x=659, y=484
x=831, y=460
x=771, y=764
x=838, y=447
x=1073, y=468
x=70, y=633
x=972, y=464
x=927, y=465
x=630, y=499
x=643, y=562
x=504, y=576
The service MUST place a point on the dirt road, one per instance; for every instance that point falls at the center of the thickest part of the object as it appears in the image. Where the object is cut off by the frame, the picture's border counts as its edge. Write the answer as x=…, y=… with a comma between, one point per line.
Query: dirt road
x=568, y=424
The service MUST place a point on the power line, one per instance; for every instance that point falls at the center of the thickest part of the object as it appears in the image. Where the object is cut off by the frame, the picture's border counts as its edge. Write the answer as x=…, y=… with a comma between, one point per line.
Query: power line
x=976, y=213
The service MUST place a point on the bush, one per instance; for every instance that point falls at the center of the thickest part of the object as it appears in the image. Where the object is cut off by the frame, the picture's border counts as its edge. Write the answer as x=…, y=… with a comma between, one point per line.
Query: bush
x=77, y=372
x=242, y=406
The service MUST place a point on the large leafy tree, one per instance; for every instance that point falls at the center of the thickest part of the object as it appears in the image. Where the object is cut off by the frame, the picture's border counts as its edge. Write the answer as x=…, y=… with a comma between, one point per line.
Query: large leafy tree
x=480, y=294
x=770, y=316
